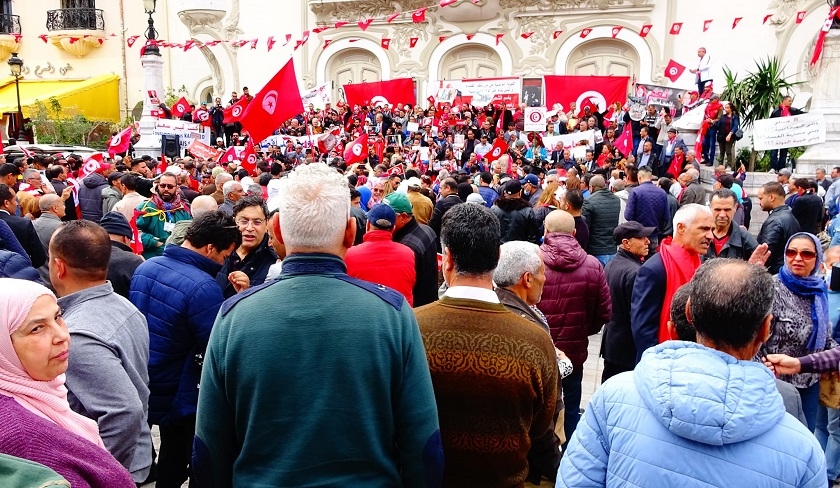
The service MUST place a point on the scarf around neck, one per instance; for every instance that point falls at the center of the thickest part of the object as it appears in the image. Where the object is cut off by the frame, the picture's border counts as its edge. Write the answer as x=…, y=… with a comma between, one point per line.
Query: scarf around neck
x=47, y=399
x=168, y=207
x=813, y=289
x=680, y=266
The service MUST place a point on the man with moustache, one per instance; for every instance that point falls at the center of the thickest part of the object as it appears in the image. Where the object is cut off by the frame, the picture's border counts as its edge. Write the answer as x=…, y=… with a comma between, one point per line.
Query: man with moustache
x=729, y=240
x=159, y=214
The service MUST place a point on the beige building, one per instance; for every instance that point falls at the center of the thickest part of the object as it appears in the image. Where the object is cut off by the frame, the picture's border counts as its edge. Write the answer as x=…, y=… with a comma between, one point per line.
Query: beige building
x=77, y=48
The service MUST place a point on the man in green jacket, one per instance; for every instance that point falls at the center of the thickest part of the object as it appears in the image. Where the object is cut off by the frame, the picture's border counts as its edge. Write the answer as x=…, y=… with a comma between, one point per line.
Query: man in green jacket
x=157, y=216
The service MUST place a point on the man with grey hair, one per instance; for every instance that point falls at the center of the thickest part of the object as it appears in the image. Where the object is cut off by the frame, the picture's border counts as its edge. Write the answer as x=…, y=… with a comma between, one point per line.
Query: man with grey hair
x=220, y=181
x=663, y=273
x=692, y=191
x=601, y=211
x=519, y=278
x=383, y=424
x=232, y=191
x=619, y=187
x=715, y=412
x=52, y=211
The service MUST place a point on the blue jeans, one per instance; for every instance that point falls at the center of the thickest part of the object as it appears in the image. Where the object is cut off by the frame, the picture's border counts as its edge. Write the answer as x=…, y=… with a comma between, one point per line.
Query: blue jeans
x=709, y=145
x=604, y=258
x=828, y=434
x=810, y=401
x=571, y=402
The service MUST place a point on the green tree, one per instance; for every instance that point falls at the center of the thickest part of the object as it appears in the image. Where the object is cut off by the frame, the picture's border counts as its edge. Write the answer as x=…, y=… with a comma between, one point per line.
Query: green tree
x=756, y=95
x=171, y=95
x=54, y=124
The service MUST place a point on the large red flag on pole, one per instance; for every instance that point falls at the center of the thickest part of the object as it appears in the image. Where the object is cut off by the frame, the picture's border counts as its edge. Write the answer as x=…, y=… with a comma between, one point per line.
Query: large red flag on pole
x=278, y=101
x=120, y=142
x=624, y=143
x=234, y=112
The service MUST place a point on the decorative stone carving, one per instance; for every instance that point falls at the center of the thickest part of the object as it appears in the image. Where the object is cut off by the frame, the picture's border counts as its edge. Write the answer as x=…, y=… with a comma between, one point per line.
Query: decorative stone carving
x=567, y=4
x=401, y=38
x=78, y=44
x=353, y=10
x=8, y=45
x=785, y=10
x=230, y=25
x=543, y=29
x=196, y=20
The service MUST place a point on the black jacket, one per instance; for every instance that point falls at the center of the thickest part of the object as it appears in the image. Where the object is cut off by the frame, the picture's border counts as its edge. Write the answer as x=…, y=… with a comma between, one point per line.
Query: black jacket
x=421, y=240
x=90, y=196
x=516, y=219
x=69, y=204
x=617, y=345
x=28, y=238
x=601, y=212
x=121, y=267
x=775, y=232
x=441, y=207
x=255, y=265
x=741, y=245
x=808, y=211
x=778, y=112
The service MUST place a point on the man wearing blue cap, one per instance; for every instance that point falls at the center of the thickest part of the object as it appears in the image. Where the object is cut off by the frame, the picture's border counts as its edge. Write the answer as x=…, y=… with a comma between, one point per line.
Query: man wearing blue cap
x=379, y=252
x=531, y=185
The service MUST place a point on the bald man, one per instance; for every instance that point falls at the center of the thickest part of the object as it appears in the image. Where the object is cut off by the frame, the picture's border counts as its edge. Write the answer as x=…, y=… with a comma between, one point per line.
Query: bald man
x=575, y=301
x=201, y=205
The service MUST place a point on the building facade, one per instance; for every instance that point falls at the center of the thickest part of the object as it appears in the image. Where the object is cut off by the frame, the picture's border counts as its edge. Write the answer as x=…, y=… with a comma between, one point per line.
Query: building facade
x=74, y=41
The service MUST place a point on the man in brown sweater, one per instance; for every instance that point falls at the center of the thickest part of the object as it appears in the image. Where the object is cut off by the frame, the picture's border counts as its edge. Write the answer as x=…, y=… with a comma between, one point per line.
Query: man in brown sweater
x=494, y=372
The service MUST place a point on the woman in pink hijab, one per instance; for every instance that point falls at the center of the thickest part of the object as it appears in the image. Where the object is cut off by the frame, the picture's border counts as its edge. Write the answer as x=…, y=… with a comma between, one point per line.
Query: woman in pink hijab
x=36, y=422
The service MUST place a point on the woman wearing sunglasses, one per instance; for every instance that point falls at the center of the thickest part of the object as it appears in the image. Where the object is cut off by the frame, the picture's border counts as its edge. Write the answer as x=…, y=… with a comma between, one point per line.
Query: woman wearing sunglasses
x=800, y=316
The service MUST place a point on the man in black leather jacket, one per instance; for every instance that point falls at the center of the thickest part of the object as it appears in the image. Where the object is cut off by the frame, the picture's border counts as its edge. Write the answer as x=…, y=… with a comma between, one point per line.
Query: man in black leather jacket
x=779, y=226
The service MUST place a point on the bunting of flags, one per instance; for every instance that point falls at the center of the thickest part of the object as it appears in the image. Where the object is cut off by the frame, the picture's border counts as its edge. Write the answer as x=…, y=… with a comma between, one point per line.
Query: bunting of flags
x=417, y=16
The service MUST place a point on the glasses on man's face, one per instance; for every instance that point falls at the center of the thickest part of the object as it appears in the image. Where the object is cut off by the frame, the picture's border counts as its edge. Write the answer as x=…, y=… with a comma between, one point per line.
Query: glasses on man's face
x=378, y=191
x=166, y=186
x=805, y=254
x=243, y=222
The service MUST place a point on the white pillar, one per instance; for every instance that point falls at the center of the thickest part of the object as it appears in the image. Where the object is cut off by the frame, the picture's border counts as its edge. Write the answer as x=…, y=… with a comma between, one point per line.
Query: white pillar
x=826, y=100
x=153, y=72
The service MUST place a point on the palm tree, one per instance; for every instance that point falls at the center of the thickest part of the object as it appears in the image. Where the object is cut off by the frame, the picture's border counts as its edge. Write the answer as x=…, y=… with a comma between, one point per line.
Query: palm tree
x=758, y=93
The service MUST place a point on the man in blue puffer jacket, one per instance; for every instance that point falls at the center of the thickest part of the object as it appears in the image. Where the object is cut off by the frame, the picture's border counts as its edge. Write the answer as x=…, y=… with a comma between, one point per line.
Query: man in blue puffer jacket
x=179, y=296
x=699, y=415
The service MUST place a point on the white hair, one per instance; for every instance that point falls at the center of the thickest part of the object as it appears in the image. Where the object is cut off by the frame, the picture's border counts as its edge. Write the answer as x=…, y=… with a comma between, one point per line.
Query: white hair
x=228, y=187
x=48, y=201
x=694, y=174
x=314, y=205
x=687, y=213
x=222, y=178
x=515, y=259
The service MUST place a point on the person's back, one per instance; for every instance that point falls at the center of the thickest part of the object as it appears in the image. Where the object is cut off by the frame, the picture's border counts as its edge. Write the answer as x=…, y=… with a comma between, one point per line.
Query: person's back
x=723, y=427
x=648, y=205
x=808, y=211
x=90, y=196
x=369, y=260
x=351, y=403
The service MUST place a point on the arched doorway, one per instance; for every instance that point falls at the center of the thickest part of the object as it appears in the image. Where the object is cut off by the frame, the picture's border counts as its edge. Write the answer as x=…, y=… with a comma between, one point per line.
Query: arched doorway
x=353, y=66
x=603, y=57
x=470, y=61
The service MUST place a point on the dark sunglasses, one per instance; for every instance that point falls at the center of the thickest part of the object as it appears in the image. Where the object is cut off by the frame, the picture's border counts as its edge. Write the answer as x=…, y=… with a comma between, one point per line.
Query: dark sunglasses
x=165, y=186
x=806, y=254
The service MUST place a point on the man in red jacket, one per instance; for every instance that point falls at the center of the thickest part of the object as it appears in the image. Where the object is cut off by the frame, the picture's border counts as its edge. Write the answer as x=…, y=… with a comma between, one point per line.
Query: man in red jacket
x=381, y=260
x=575, y=301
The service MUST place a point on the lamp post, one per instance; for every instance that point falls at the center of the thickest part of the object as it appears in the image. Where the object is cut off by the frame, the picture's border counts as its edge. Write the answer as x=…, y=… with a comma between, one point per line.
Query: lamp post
x=16, y=64
x=151, y=33
x=152, y=62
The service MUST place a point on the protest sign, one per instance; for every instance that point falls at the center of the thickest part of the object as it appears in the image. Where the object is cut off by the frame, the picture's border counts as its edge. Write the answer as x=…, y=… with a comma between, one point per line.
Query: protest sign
x=783, y=132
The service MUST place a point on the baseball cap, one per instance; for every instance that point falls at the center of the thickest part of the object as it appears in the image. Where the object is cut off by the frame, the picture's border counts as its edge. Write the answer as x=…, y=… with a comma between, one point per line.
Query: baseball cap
x=672, y=130
x=382, y=216
x=530, y=178
x=513, y=187
x=785, y=171
x=475, y=198
x=414, y=181
x=399, y=202
x=103, y=167
x=631, y=229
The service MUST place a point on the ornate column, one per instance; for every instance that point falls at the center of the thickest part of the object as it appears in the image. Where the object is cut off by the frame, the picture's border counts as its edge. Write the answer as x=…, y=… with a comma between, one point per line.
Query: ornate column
x=826, y=100
x=153, y=73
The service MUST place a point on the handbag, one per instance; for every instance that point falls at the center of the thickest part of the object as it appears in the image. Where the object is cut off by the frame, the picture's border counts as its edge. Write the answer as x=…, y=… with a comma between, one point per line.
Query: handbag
x=739, y=134
x=830, y=390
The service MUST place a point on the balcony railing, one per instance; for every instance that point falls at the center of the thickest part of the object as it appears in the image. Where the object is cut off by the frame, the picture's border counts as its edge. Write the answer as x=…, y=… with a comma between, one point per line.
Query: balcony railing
x=75, y=19
x=9, y=24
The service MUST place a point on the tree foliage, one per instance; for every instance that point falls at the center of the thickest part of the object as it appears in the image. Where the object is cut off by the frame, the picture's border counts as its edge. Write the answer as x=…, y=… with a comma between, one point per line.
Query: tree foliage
x=759, y=92
x=54, y=124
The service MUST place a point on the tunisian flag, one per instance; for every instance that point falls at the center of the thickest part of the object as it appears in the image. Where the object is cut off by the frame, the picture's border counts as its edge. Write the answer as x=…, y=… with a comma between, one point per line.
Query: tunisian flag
x=234, y=112
x=602, y=90
x=376, y=93
x=119, y=143
x=499, y=147
x=356, y=151
x=674, y=70
x=278, y=101
x=624, y=143
x=181, y=107
x=249, y=158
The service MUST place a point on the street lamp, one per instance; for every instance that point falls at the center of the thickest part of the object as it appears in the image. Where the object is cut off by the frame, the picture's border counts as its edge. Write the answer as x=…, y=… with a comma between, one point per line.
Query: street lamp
x=16, y=64
x=151, y=33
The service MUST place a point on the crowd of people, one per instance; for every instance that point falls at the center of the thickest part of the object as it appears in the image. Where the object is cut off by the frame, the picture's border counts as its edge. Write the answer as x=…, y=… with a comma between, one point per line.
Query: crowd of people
x=401, y=321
